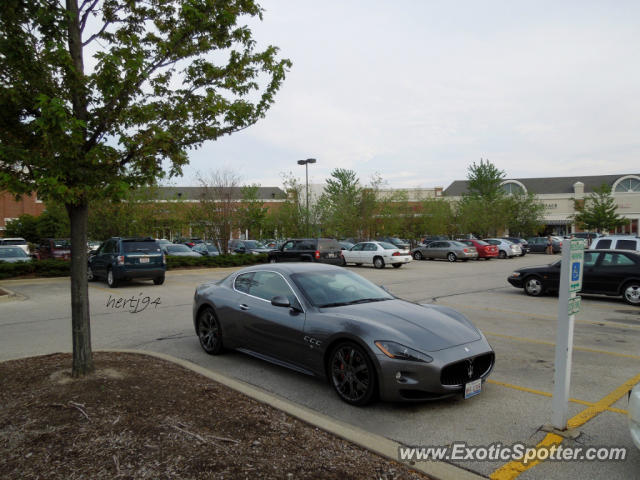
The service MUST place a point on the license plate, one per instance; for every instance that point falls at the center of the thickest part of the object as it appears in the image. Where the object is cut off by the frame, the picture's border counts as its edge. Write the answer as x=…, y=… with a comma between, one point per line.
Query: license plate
x=331, y=255
x=472, y=388
x=144, y=259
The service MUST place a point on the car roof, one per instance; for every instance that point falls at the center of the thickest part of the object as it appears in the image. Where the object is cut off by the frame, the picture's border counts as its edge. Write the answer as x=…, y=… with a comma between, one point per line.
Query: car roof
x=612, y=250
x=12, y=238
x=294, y=267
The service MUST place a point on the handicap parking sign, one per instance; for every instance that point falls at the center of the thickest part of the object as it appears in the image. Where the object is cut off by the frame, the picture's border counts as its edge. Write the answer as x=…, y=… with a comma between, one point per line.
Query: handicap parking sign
x=575, y=272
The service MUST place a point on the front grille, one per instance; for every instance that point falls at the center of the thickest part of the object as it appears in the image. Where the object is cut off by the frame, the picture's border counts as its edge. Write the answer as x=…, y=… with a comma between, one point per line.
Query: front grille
x=467, y=370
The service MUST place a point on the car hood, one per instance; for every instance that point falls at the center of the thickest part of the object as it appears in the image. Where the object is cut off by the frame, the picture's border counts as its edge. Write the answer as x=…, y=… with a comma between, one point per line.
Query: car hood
x=427, y=328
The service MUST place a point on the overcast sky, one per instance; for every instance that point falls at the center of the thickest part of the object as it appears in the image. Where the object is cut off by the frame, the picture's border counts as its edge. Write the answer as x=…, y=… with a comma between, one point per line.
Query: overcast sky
x=418, y=90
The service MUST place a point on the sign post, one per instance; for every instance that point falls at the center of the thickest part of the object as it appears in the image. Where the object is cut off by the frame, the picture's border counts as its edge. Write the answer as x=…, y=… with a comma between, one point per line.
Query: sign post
x=568, y=306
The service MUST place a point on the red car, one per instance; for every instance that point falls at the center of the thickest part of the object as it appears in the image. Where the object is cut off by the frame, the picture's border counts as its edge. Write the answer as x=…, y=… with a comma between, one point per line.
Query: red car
x=484, y=249
x=54, y=248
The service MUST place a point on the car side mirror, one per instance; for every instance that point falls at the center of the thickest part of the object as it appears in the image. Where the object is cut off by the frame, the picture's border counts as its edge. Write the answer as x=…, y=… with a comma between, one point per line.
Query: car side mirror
x=280, y=301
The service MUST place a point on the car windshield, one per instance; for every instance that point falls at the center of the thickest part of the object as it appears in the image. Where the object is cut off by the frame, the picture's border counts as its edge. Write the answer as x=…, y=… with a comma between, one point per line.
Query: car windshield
x=61, y=243
x=387, y=246
x=253, y=244
x=12, y=252
x=178, y=248
x=395, y=240
x=211, y=247
x=334, y=289
x=140, y=246
x=14, y=242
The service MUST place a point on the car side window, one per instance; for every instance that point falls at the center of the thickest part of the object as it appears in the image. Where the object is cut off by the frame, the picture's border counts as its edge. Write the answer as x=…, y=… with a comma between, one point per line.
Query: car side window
x=267, y=285
x=603, y=245
x=626, y=245
x=288, y=245
x=242, y=282
x=370, y=247
x=615, y=259
x=357, y=247
x=590, y=258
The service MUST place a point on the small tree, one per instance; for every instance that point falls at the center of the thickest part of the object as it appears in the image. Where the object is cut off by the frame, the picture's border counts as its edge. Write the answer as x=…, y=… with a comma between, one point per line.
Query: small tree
x=525, y=214
x=598, y=211
x=95, y=97
x=338, y=203
x=251, y=211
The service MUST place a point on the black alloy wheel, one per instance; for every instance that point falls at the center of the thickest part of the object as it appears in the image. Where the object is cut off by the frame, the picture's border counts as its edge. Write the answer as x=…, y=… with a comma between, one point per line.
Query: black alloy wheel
x=352, y=374
x=209, y=332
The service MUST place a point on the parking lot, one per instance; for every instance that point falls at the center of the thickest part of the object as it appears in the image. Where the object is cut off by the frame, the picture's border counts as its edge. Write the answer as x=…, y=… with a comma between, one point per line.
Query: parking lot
x=515, y=402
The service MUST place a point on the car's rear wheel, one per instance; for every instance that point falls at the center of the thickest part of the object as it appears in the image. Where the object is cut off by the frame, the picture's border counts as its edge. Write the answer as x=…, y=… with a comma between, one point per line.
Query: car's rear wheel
x=378, y=262
x=158, y=280
x=352, y=374
x=631, y=293
x=502, y=254
x=209, y=332
x=397, y=265
x=451, y=257
x=112, y=281
x=273, y=260
x=90, y=276
x=417, y=255
x=533, y=286
x=344, y=261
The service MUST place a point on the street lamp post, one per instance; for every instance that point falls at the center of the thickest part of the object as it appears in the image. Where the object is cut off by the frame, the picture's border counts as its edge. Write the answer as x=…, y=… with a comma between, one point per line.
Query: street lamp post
x=306, y=169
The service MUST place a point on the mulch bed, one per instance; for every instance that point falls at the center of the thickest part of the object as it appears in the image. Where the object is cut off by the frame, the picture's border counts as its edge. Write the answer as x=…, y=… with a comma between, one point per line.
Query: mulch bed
x=142, y=417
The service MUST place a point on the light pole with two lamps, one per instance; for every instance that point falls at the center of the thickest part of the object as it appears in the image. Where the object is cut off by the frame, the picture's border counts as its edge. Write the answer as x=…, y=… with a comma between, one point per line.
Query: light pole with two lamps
x=306, y=168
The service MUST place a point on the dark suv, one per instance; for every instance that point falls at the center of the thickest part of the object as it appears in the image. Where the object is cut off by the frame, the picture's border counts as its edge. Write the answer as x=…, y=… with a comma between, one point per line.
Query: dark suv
x=401, y=244
x=324, y=250
x=126, y=258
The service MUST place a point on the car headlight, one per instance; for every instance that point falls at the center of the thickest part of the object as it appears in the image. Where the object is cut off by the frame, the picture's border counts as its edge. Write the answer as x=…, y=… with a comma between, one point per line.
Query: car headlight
x=515, y=274
x=400, y=352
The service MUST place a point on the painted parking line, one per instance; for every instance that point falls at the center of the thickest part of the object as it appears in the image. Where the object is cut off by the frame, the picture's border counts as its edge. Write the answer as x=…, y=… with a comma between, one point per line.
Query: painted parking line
x=544, y=342
x=540, y=316
x=549, y=394
x=513, y=469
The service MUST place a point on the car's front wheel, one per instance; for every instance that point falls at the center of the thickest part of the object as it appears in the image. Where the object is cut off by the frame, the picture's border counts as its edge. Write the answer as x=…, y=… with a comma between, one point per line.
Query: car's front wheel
x=417, y=255
x=533, y=286
x=631, y=293
x=90, y=276
x=273, y=260
x=112, y=281
x=352, y=374
x=502, y=254
x=209, y=332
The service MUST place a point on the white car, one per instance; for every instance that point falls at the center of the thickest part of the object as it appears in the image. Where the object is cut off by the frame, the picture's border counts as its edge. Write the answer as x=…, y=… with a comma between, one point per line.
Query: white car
x=506, y=248
x=634, y=414
x=378, y=254
x=16, y=242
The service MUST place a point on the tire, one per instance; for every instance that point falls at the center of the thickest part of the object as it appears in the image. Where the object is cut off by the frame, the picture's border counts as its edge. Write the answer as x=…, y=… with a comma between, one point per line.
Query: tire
x=417, y=255
x=451, y=257
x=631, y=293
x=378, y=262
x=158, y=280
x=112, y=281
x=273, y=260
x=533, y=286
x=397, y=265
x=352, y=374
x=209, y=332
x=90, y=276
x=502, y=254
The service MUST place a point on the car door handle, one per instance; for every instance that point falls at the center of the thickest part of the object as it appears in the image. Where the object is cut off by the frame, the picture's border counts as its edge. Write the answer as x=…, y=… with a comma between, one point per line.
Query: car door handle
x=244, y=306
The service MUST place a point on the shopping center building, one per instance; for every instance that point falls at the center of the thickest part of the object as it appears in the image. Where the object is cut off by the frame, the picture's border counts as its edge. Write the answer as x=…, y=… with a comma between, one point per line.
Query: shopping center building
x=558, y=194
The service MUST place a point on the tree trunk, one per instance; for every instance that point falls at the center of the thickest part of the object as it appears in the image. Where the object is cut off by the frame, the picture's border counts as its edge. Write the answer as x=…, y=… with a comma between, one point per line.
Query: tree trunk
x=81, y=329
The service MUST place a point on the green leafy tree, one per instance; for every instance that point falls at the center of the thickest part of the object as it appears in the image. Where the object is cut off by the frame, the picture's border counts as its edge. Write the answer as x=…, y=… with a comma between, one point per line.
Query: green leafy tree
x=525, y=214
x=251, y=212
x=289, y=220
x=95, y=97
x=598, y=211
x=25, y=226
x=339, y=203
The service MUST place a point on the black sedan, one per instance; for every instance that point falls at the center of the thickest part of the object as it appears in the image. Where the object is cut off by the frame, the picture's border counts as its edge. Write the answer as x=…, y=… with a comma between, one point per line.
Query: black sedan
x=328, y=322
x=606, y=272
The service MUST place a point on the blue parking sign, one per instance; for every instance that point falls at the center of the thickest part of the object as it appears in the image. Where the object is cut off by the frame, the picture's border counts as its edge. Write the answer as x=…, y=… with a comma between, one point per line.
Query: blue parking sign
x=575, y=272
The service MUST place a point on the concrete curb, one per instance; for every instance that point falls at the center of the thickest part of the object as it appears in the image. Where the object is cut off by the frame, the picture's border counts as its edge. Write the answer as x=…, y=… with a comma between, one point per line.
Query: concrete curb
x=372, y=442
x=10, y=295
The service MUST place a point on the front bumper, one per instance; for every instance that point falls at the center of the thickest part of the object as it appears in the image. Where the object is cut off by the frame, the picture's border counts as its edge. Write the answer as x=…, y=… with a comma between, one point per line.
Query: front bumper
x=515, y=281
x=403, y=381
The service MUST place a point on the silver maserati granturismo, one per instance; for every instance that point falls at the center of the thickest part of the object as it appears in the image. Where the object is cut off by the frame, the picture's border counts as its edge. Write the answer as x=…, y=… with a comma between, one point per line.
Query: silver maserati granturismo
x=328, y=322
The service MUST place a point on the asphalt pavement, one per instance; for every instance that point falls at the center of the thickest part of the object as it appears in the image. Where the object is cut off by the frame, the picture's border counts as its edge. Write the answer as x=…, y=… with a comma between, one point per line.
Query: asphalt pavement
x=512, y=408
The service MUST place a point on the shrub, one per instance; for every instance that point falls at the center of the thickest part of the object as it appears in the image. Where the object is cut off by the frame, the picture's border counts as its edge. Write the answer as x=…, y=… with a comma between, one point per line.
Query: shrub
x=218, y=261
